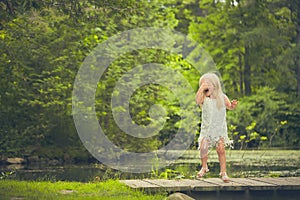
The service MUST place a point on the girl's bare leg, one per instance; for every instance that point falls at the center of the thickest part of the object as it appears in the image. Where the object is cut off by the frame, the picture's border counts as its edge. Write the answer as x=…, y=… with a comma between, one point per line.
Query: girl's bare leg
x=204, y=157
x=204, y=162
x=204, y=153
x=222, y=160
x=221, y=155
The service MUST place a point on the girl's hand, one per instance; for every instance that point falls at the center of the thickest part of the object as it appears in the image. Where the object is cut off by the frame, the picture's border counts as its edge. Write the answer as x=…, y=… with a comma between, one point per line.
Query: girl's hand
x=206, y=88
x=230, y=105
x=234, y=103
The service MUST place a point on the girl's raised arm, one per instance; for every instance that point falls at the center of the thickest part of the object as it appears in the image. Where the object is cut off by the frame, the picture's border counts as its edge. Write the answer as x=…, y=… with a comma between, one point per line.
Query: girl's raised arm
x=230, y=105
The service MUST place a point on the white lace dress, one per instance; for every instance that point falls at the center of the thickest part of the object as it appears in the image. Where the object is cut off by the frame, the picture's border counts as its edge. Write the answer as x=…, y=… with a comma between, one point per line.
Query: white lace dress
x=213, y=126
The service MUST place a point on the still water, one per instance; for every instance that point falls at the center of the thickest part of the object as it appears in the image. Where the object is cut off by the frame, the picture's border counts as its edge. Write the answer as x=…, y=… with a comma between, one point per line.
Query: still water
x=250, y=163
x=253, y=195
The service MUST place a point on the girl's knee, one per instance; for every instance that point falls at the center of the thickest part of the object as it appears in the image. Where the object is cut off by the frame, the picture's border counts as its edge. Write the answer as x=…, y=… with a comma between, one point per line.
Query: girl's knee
x=203, y=152
x=204, y=148
x=220, y=149
x=221, y=146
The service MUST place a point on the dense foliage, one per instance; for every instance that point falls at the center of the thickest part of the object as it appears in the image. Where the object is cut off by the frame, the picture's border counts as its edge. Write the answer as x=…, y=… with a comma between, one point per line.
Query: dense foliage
x=255, y=45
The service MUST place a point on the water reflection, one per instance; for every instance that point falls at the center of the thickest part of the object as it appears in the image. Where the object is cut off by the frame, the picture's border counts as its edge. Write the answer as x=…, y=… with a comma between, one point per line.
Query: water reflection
x=252, y=195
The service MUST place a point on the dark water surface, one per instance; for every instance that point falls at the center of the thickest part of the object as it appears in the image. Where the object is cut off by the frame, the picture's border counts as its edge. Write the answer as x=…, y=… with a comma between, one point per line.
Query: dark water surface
x=252, y=195
x=86, y=173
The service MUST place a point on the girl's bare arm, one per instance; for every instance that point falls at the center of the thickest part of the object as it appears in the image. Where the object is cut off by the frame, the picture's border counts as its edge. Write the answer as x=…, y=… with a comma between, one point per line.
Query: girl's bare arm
x=230, y=105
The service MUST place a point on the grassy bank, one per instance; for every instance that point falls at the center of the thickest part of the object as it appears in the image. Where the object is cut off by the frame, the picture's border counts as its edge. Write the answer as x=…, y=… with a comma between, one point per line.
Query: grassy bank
x=249, y=157
x=109, y=190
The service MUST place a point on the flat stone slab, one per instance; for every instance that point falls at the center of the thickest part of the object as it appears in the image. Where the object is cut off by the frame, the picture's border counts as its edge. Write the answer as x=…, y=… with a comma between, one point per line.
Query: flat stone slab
x=215, y=184
x=231, y=186
x=170, y=185
x=140, y=184
x=200, y=185
x=254, y=184
x=284, y=183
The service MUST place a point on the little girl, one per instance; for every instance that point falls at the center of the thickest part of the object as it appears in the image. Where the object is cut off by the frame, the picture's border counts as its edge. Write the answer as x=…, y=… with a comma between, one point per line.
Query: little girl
x=213, y=127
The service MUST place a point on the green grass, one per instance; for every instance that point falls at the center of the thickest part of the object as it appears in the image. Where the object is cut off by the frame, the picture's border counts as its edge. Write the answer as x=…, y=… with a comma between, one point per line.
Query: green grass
x=108, y=190
x=244, y=163
x=249, y=157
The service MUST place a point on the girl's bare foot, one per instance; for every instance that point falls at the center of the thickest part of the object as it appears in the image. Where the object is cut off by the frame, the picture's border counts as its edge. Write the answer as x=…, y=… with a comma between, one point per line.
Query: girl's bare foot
x=224, y=177
x=202, y=172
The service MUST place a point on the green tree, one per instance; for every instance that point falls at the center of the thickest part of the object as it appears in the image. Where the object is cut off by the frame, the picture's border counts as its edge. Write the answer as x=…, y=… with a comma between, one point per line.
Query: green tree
x=244, y=38
x=43, y=44
x=254, y=45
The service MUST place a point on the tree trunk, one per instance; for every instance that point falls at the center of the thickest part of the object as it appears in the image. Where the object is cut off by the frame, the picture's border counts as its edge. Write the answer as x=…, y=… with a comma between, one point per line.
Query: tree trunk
x=298, y=78
x=247, y=72
x=298, y=57
x=241, y=80
x=9, y=7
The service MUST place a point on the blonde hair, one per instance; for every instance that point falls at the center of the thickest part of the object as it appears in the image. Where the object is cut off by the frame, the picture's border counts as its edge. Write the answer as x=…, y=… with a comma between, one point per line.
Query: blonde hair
x=217, y=92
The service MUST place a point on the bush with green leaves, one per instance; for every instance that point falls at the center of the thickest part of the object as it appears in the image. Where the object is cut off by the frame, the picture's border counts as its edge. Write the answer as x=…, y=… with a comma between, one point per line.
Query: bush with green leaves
x=265, y=119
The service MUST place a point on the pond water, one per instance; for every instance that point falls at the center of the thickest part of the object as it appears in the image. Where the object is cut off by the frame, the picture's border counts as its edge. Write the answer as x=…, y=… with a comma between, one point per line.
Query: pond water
x=253, y=195
x=258, y=163
x=86, y=173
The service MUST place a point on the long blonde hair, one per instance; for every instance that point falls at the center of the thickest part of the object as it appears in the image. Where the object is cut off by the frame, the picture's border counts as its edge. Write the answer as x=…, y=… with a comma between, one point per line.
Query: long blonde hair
x=217, y=92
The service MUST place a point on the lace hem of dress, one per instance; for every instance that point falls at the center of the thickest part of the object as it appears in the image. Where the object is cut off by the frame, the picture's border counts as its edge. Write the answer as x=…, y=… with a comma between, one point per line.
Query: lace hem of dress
x=209, y=142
